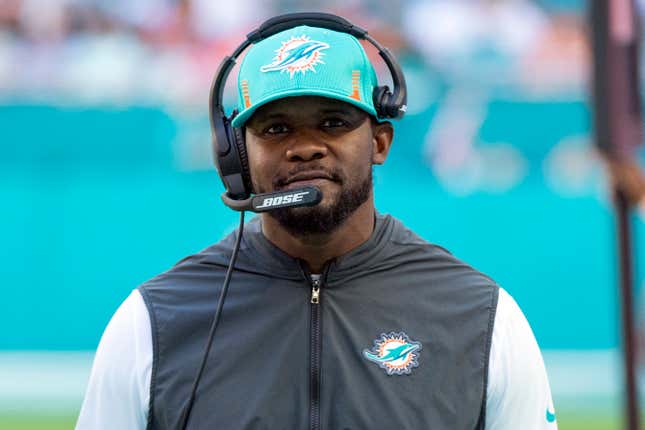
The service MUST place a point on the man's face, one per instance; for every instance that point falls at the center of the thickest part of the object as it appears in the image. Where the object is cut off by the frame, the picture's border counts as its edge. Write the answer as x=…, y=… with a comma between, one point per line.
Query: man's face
x=300, y=141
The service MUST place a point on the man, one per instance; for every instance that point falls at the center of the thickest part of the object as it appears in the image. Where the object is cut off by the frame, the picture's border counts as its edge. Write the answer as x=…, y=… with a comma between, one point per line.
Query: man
x=338, y=317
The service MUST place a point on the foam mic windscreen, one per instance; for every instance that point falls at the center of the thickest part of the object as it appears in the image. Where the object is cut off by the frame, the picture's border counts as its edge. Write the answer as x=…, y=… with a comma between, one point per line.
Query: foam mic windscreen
x=306, y=196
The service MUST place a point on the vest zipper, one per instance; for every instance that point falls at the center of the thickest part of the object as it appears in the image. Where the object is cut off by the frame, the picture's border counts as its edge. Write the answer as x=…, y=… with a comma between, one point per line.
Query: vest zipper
x=317, y=282
x=315, y=291
x=314, y=354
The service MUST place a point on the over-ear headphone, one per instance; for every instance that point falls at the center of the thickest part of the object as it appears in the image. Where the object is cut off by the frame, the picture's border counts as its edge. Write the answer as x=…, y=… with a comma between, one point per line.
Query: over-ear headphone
x=229, y=147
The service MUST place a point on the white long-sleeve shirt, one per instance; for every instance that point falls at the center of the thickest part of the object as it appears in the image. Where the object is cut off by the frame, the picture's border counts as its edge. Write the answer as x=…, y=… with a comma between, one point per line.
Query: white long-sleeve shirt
x=518, y=393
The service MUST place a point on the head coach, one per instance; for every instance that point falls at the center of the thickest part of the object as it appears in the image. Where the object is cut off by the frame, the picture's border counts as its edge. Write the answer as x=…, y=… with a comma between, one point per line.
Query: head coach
x=337, y=317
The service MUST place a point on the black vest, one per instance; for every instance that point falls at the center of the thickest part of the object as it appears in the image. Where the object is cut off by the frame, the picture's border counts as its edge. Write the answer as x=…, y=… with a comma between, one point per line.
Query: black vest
x=399, y=338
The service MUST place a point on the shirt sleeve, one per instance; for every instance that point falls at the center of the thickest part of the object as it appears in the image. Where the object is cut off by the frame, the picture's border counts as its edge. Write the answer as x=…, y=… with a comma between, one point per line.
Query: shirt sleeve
x=518, y=392
x=119, y=386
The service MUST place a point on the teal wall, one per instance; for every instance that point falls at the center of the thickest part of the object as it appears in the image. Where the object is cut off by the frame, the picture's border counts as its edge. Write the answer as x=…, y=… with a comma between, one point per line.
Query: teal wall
x=92, y=204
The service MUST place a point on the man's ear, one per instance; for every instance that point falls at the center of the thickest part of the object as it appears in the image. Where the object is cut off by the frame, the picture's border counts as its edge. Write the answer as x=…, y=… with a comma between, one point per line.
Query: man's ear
x=382, y=135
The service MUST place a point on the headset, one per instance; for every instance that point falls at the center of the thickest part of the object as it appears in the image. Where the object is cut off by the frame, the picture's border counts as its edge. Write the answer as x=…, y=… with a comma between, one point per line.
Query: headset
x=229, y=146
x=228, y=142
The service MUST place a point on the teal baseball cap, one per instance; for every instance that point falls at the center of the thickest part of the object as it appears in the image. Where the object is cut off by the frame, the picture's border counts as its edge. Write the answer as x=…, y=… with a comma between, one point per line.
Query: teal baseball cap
x=305, y=61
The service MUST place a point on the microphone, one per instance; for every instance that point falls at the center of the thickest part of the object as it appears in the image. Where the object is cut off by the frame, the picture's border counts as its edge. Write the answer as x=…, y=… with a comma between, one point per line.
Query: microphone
x=306, y=196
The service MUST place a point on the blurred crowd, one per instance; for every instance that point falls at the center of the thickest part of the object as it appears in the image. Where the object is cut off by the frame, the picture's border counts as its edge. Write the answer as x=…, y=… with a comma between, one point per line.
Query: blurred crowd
x=166, y=51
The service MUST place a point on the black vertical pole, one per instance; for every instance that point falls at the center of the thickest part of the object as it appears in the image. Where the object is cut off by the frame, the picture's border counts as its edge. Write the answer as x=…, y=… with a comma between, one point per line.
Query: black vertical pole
x=615, y=31
x=627, y=307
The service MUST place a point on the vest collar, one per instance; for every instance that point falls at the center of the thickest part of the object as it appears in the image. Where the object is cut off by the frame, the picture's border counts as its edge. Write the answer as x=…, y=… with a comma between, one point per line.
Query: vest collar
x=258, y=254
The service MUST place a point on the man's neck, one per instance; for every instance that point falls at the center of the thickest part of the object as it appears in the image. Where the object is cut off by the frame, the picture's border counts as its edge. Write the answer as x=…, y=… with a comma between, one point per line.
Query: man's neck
x=316, y=250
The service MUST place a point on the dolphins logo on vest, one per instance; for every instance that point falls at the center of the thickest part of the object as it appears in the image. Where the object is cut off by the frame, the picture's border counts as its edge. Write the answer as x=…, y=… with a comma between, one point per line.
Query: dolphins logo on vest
x=395, y=353
x=298, y=54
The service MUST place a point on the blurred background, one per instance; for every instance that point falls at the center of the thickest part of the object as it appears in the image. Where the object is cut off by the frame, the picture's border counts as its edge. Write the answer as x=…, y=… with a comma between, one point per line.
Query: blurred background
x=106, y=176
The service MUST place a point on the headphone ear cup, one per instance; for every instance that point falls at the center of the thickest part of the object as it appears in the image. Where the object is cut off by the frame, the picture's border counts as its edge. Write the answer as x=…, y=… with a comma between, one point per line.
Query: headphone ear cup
x=240, y=143
x=381, y=98
x=229, y=155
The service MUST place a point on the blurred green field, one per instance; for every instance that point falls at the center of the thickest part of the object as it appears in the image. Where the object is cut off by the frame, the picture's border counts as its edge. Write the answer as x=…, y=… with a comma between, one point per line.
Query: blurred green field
x=21, y=422
x=566, y=421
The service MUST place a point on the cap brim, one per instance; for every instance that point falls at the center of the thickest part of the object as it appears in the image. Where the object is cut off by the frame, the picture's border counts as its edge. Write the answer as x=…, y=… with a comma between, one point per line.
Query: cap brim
x=244, y=116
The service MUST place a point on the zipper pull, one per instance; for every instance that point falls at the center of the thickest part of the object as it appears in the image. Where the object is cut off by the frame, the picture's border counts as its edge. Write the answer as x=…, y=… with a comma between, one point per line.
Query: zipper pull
x=315, y=291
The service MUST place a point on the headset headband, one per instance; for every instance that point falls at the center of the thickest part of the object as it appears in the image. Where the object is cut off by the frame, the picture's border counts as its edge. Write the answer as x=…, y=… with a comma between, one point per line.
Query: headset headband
x=396, y=101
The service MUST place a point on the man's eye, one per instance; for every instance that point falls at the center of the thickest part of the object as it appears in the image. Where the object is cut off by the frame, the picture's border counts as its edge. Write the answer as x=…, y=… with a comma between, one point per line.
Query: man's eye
x=333, y=123
x=276, y=129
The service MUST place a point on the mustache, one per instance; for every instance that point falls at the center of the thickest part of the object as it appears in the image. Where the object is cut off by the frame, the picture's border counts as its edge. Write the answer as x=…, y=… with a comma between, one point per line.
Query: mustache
x=285, y=179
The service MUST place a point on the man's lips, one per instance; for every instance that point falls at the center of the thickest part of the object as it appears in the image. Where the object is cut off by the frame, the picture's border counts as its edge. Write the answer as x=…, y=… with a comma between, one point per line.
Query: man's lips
x=305, y=183
x=306, y=178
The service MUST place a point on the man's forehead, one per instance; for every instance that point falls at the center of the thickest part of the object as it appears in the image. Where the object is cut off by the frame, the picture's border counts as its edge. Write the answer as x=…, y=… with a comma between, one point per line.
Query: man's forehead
x=303, y=105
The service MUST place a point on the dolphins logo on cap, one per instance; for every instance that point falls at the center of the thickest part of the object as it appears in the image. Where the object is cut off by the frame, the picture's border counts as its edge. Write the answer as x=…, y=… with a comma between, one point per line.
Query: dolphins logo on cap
x=298, y=54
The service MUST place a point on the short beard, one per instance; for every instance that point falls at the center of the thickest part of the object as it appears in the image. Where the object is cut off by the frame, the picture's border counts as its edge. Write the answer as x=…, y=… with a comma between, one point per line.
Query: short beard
x=320, y=220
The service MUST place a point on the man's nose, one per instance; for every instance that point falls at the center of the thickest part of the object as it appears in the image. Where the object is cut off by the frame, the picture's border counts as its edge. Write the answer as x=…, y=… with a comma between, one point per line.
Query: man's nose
x=306, y=148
